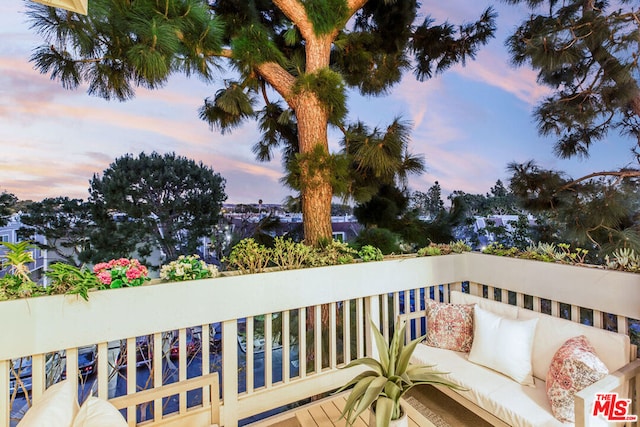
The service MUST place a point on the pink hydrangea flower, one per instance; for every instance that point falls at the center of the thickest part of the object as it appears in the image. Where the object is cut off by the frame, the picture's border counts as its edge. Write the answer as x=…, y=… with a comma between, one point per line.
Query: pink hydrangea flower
x=123, y=271
x=104, y=277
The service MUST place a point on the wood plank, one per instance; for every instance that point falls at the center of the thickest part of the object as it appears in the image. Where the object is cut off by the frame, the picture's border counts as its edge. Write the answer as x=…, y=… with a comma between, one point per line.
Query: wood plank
x=363, y=418
x=305, y=419
x=333, y=412
x=326, y=413
x=320, y=416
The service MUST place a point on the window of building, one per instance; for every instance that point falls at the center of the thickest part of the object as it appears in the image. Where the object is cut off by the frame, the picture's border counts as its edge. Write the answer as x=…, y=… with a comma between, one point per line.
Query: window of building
x=339, y=236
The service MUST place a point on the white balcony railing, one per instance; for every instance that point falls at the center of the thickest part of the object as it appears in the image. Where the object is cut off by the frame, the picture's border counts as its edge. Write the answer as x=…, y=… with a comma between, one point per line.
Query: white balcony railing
x=308, y=313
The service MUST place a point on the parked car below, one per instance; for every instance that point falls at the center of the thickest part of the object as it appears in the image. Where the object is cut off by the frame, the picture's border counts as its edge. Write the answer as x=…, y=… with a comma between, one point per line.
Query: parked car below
x=20, y=380
x=193, y=344
x=86, y=362
x=144, y=353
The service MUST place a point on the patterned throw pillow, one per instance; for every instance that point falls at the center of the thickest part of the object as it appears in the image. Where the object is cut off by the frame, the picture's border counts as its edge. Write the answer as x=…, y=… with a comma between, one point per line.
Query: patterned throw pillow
x=449, y=326
x=574, y=367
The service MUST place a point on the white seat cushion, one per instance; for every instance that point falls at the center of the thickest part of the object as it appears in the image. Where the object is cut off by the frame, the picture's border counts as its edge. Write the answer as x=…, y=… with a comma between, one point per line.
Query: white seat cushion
x=57, y=407
x=96, y=412
x=515, y=404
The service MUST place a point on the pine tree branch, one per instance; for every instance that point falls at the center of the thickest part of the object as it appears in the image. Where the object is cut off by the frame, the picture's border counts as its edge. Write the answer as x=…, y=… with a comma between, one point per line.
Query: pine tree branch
x=295, y=11
x=608, y=62
x=279, y=78
x=225, y=53
x=620, y=174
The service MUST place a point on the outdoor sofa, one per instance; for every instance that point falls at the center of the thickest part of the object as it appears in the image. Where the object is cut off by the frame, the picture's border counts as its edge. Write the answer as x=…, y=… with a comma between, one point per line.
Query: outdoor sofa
x=512, y=337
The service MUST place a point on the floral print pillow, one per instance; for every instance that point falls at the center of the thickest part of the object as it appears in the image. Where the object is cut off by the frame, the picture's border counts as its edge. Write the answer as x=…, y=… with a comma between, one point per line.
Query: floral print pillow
x=449, y=326
x=574, y=367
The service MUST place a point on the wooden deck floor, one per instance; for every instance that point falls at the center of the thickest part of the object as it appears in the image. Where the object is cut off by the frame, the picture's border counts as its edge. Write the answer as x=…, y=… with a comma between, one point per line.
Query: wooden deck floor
x=326, y=413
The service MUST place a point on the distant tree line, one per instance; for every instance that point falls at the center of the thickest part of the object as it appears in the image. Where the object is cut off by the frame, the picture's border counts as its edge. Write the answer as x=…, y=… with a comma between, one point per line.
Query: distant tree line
x=138, y=204
x=146, y=202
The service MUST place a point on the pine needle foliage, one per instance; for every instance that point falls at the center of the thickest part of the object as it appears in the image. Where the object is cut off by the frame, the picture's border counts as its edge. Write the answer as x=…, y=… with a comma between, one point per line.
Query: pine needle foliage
x=278, y=128
x=328, y=86
x=326, y=15
x=230, y=107
x=598, y=213
x=380, y=157
x=253, y=47
x=123, y=44
x=586, y=52
x=333, y=167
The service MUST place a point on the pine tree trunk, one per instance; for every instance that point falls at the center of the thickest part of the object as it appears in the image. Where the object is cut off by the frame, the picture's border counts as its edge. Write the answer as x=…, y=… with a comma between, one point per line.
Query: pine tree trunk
x=313, y=119
x=315, y=181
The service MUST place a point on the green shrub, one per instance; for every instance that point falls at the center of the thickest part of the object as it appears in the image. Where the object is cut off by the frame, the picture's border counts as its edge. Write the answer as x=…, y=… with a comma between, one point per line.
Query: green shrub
x=333, y=253
x=289, y=255
x=370, y=253
x=381, y=238
x=500, y=250
x=431, y=250
x=459, y=247
x=249, y=257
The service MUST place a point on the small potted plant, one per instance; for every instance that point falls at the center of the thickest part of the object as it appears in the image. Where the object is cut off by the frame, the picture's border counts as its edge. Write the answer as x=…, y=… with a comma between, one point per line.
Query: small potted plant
x=381, y=387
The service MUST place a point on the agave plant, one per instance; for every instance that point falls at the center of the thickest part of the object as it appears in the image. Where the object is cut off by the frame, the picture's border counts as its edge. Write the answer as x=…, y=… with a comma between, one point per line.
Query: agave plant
x=388, y=379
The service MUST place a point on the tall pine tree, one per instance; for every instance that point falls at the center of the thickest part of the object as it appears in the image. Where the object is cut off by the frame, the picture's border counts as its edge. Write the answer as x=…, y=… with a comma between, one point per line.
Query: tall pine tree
x=304, y=53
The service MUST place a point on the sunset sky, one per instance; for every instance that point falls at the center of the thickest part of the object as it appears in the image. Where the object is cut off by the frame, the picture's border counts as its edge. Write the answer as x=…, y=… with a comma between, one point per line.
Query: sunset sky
x=468, y=123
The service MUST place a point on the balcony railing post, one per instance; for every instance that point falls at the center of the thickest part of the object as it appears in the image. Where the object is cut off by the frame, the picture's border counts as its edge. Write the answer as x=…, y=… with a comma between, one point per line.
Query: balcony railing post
x=372, y=319
x=5, y=404
x=230, y=373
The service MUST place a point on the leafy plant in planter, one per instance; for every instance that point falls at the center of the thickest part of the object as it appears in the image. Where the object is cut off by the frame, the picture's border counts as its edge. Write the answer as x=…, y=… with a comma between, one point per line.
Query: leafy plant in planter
x=434, y=249
x=388, y=379
x=289, y=255
x=123, y=272
x=17, y=283
x=249, y=257
x=68, y=279
x=370, y=253
x=189, y=267
x=624, y=259
x=334, y=253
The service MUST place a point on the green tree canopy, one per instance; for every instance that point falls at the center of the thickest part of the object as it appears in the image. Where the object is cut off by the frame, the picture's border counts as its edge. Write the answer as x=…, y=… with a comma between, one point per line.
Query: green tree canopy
x=428, y=204
x=308, y=53
x=172, y=200
x=7, y=204
x=586, y=52
x=66, y=225
x=601, y=212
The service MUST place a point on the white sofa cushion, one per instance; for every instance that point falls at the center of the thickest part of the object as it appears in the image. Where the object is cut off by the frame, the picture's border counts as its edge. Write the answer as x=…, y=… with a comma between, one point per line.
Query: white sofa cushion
x=57, y=407
x=504, y=345
x=515, y=404
x=96, y=412
x=612, y=348
x=497, y=307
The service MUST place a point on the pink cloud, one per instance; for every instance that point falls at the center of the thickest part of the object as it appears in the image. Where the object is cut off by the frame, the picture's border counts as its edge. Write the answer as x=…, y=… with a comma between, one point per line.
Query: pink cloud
x=521, y=82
